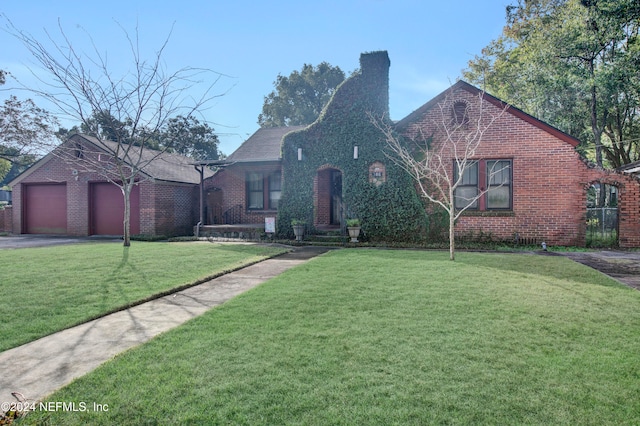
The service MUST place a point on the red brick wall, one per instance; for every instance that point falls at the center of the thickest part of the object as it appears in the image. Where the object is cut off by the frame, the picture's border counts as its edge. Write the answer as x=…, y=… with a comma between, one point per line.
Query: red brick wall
x=174, y=208
x=549, y=183
x=232, y=182
x=6, y=219
x=177, y=200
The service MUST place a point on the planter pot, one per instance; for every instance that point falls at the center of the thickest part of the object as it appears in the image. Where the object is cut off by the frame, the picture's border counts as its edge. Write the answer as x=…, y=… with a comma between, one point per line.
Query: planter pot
x=298, y=230
x=354, y=232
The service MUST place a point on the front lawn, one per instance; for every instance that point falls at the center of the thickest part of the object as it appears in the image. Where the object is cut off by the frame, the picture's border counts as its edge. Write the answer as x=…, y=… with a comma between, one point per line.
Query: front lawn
x=43, y=290
x=388, y=337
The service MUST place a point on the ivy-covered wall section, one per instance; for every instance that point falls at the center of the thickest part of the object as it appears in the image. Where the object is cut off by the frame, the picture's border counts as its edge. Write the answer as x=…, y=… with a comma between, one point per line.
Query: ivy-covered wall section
x=386, y=203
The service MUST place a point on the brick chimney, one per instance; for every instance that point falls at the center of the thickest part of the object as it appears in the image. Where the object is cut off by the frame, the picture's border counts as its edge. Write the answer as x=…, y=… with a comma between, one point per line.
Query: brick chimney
x=374, y=67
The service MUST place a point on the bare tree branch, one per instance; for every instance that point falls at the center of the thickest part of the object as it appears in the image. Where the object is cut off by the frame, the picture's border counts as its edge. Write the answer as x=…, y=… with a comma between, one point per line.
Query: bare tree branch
x=133, y=107
x=437, y=162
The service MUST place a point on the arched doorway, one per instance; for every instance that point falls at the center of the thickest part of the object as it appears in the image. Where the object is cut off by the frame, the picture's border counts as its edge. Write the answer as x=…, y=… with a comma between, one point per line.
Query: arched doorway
x=328, y=198
x=602, y=215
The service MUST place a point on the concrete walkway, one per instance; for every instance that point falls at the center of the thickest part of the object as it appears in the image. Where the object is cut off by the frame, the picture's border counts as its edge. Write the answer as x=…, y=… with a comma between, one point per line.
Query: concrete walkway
x=623, y=266
x=38, y=368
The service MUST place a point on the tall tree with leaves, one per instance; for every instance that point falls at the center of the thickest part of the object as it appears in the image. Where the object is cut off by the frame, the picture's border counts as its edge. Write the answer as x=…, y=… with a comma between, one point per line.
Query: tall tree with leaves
x=191, y=138
x=22, y=125
x=573, y=64
x=299, y=98
x=131, y=110
x=24, y=128
x=184, y=135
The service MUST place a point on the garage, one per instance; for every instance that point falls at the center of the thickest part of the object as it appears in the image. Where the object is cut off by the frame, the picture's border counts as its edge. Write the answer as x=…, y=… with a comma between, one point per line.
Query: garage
x=106, y=211
x=45, y=209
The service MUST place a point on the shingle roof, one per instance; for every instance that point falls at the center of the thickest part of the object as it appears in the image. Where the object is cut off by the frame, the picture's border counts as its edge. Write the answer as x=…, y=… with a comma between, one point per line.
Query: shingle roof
x=158, y=165
x=263, y=145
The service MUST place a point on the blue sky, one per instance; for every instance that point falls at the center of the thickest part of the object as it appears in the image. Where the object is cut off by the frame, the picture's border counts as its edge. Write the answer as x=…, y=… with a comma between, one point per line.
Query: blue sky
x=251, y=42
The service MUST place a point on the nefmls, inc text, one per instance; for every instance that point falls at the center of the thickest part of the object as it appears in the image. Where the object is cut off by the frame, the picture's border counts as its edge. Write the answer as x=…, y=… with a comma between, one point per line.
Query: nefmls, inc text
x=71, y=406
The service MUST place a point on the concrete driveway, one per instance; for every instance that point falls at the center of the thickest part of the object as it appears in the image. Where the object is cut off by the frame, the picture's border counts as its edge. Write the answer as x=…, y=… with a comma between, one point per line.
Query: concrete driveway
x=23, y=241
x=623, y=266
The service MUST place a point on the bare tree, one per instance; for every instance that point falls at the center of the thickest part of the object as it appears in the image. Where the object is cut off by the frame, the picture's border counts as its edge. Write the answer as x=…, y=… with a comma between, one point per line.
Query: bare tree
x=439, y=161
x=124, y=114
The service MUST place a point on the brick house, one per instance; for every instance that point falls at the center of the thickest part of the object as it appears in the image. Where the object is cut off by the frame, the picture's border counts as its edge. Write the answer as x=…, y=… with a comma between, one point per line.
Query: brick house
x=545, y=182
x=248, y=189
x=59, y=196
x=543, y=192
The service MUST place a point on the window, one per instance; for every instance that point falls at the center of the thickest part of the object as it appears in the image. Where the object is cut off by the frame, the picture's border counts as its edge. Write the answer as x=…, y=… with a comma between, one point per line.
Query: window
x=261, y=184
x=255, y=191
x=492, y=176
x=467, y=190
x=499, y=184
x=460, y=113
x=275, y=188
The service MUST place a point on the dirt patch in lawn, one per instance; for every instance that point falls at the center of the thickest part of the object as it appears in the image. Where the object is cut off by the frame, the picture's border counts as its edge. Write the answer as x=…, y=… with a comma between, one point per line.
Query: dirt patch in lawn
x=620, y=265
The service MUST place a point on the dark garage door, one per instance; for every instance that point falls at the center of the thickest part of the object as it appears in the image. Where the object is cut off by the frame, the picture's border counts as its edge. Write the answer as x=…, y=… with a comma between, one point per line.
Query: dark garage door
x=107, y=209
x=45, y=209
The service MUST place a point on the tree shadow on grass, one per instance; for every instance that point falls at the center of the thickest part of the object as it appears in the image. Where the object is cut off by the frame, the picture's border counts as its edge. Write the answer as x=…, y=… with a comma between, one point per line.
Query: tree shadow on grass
x=544, y=267
x=554, y=267
x=115, y=283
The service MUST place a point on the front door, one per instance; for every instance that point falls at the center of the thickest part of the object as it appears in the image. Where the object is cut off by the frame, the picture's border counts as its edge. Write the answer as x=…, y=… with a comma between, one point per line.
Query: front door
x=336, y=197
x=328, y=198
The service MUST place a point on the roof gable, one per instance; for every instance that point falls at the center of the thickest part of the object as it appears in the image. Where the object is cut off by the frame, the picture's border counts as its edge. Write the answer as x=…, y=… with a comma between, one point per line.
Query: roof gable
x=263, y=145
x=158, y=165
x=418, y=113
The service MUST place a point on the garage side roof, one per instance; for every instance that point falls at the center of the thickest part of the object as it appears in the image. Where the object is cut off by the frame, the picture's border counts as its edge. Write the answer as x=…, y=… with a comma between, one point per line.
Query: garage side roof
x=154, y=164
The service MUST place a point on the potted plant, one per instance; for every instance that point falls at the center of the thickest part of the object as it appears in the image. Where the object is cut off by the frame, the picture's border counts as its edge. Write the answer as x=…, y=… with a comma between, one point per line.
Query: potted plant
x=353, y=225
x=298, y=228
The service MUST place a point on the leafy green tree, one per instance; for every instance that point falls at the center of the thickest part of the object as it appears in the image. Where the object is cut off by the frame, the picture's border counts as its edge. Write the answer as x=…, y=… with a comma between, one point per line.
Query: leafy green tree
x=573, y=64
x=25, y=129
x=192, y=138
x=184, y=135
x=104, y=126
x=5, y=167
x=299, y=98
x=22, y=124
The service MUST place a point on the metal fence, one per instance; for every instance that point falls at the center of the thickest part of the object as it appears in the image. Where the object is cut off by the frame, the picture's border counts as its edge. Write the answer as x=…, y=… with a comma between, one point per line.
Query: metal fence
x=602, y=226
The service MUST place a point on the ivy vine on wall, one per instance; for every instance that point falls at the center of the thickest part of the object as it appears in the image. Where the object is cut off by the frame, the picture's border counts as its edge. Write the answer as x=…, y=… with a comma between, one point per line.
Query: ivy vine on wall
x=391, y=211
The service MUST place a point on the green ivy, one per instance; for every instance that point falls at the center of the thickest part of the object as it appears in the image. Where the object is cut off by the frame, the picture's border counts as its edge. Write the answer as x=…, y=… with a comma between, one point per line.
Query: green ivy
x=389, y=212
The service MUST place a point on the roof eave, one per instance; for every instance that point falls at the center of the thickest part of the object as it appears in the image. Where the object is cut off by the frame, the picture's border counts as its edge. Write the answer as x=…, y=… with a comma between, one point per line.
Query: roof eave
x=461, y=84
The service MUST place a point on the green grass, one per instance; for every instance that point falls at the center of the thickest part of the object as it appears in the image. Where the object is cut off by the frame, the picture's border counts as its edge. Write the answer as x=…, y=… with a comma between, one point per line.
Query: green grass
x=47, y=289
x=388, y=337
